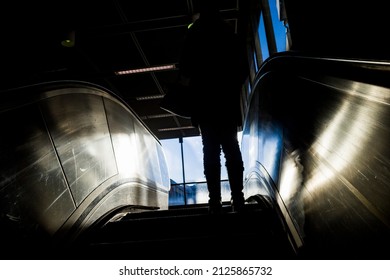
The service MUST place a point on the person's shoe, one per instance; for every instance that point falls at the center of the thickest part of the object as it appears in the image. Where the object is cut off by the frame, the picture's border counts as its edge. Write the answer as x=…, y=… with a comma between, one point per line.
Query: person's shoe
x=238, y=208
x=238, y=205
x=215, y=210
x=215, y=207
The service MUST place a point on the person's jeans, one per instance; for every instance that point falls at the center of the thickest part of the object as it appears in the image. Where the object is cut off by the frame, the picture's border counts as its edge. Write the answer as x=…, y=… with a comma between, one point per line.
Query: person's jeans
x=215, y=138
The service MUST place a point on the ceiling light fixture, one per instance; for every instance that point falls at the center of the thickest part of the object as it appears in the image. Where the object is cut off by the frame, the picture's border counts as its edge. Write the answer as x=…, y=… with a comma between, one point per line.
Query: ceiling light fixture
x=175, y=128
x=69, y=40
x=158, y=116
x=149, y=97
x=146, y=69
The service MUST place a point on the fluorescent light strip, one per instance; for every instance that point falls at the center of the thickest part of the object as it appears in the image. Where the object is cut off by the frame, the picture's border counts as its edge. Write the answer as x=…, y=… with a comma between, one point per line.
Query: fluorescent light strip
x=176, y=128
x=149, y=97
x=156, y=116
x=147, y=69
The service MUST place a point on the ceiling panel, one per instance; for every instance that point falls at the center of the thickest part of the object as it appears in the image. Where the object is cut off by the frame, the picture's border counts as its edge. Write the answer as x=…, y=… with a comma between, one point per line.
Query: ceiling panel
x=110, y=35
x=153, y=9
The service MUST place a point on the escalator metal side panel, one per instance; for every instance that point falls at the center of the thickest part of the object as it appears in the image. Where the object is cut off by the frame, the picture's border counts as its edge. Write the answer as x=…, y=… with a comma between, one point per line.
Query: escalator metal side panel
x=68, y=160
x=328, y=132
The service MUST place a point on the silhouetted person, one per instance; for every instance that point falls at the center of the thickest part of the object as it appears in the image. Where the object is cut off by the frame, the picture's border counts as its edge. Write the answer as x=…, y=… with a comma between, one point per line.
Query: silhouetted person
x=215, y=66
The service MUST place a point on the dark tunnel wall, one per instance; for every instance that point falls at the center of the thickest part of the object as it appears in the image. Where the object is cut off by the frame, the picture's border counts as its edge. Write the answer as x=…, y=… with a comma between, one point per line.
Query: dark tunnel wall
x=316, y=137
x=354, y=29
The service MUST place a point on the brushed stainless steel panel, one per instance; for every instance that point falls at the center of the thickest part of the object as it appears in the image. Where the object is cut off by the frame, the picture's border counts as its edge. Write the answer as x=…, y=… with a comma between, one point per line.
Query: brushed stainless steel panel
x=72, y=153
x=137, y=152
x=334, y=179
x=78, y=126
x=33, y=189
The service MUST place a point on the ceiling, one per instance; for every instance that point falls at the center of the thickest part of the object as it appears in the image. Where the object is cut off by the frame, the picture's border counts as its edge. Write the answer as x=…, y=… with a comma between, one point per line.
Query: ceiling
x=115, y=35
x=109, y=36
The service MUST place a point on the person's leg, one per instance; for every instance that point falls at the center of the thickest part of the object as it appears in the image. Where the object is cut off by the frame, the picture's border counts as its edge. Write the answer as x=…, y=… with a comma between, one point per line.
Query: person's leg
x=234, y=166
x=212, y=166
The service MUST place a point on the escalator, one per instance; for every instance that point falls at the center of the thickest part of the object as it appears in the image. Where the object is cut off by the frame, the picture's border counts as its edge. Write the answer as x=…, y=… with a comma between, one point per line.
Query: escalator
x=189, y=232
x=315, y=150
x=316, y=139
x=72, y=152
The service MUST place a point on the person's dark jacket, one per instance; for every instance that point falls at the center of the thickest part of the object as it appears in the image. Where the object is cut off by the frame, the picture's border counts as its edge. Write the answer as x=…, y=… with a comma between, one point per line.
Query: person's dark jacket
x=215, y=63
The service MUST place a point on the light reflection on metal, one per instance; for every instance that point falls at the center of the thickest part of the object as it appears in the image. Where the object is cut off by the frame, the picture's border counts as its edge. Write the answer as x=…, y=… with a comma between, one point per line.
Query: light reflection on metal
x=334, y=150
x=291, y=179
x=78, y=153
x=333, y=176
x=336, y=153
x=127, y=157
